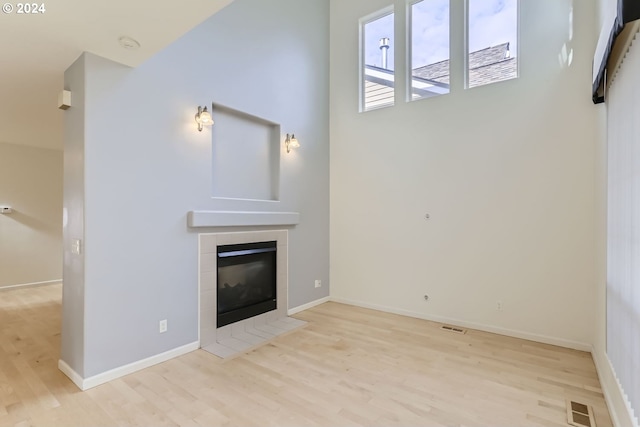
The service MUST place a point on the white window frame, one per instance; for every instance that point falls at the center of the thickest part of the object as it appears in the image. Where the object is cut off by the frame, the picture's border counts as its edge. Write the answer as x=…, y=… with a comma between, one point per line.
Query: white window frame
x=362, y=62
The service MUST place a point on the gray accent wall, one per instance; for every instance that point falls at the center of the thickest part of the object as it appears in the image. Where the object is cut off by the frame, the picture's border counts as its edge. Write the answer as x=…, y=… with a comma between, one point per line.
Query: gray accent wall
x=146, y=165
x=73, y=291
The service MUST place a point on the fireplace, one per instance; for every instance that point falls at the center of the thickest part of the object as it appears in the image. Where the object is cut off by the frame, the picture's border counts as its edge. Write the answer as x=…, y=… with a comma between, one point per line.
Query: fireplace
x=246, y=281
x=230, y=339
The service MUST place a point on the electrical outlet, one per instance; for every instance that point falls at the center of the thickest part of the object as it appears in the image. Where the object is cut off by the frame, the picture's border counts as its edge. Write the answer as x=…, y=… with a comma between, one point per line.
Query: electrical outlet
x=163, y=326
x=499, y=305
x=318, y=283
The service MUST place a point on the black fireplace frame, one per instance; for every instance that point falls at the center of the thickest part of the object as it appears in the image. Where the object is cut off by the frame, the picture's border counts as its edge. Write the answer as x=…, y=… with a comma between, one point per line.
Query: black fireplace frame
x=229, y=255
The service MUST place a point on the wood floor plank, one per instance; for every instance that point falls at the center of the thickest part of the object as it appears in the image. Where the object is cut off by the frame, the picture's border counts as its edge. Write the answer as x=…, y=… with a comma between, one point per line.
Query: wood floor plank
x=349, y=367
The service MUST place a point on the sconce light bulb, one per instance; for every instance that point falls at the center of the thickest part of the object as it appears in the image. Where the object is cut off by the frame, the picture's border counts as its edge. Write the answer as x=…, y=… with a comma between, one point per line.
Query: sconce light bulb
x=291, y=142
x=203, y=118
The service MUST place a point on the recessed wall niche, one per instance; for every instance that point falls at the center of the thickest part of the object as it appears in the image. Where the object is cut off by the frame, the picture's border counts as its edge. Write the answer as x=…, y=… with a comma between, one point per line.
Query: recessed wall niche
x=245, y=155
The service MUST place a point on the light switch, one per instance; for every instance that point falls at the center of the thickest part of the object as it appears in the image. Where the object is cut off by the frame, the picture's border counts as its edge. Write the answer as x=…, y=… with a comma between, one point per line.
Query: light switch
x=76, y=246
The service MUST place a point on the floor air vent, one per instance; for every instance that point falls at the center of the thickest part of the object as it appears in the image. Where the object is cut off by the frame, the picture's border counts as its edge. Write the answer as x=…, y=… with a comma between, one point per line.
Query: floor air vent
x=579, y=414
x=453, y=329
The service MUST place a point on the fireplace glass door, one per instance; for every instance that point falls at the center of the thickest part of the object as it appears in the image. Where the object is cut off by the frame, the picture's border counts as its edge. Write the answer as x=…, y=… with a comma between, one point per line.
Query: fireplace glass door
x=246, y=281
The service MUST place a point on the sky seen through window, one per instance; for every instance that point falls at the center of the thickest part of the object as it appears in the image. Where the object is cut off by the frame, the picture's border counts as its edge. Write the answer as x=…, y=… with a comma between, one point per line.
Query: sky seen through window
x=491, y=23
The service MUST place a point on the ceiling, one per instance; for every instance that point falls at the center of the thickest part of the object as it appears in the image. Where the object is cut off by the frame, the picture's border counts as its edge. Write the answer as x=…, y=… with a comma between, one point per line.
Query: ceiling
x=36, y=49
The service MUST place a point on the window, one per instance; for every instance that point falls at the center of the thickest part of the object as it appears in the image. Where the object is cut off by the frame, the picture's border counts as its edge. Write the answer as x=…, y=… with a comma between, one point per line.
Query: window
x=492, y=43
x=429, y=49
x=490, y=52
x=376, y=47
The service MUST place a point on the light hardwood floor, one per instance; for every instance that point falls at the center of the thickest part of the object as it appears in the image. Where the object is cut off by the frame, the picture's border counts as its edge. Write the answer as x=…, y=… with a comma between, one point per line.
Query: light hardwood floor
x=348, y=367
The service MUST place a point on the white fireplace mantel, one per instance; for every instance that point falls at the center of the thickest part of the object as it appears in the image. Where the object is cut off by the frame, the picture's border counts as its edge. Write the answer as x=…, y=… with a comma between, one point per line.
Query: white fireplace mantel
x=200, y=219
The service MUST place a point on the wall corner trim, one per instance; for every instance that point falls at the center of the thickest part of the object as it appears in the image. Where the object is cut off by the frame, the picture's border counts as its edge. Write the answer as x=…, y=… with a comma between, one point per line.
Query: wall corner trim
x=73, y=375
x=31, y=285
x=307, y=306
x=96, y=380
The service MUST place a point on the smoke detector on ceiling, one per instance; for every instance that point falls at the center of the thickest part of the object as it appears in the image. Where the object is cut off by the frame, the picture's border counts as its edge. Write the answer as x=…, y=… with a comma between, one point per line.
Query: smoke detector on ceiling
x=128, y=43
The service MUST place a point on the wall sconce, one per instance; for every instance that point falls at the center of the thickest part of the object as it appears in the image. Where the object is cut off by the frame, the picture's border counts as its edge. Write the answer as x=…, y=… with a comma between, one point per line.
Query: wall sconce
x=203, y=118
x=291, y=142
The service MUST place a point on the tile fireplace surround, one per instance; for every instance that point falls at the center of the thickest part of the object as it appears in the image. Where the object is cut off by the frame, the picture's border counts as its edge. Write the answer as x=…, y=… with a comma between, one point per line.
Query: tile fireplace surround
x=241, y=336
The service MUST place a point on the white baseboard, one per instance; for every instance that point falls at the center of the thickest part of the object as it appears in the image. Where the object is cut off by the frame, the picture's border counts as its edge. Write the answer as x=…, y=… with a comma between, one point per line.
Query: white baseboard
x=96, y=380
x=622, y=414
x=471, y=325
x=304, y=307
x=73, y=375
x=31, y=285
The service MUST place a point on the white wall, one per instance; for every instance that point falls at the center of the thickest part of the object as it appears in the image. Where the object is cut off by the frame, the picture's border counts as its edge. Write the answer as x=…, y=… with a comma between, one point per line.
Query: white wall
x=506, y=172
x=146, y=165
x=30, y=237
x=601, y=204
x=600, y=315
